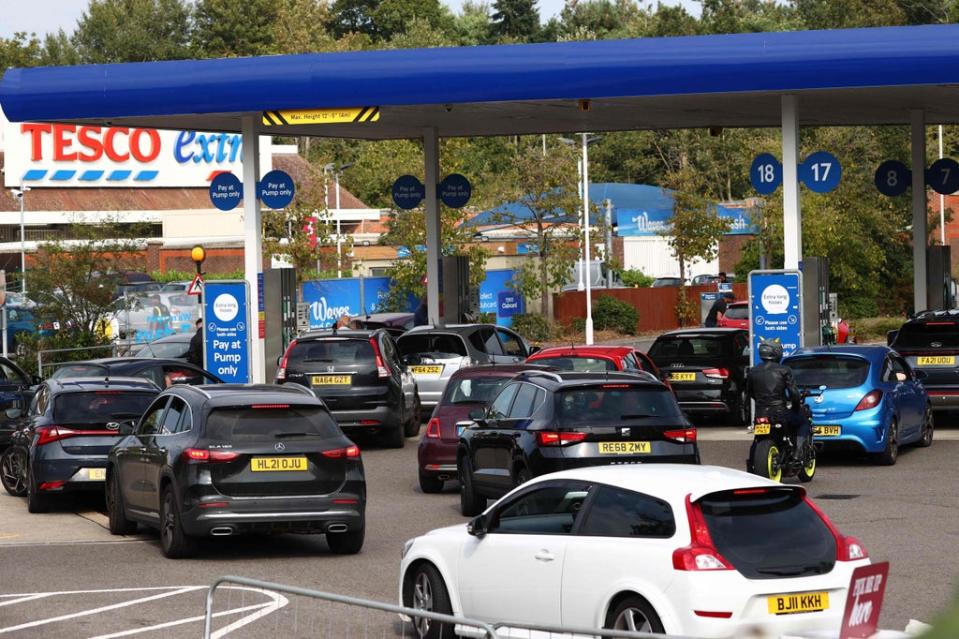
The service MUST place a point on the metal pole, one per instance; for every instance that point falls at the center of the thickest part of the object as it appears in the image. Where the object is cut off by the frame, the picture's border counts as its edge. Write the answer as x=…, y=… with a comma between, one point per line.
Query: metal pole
x=431, y=159
x=580, y=286
x=253, y=243
x=609, y=242
x=942, y=201
x=920, y=231
x=4, y=330
x=23, y=241
x=589, y=301
x=792, y=213
x=339, y=249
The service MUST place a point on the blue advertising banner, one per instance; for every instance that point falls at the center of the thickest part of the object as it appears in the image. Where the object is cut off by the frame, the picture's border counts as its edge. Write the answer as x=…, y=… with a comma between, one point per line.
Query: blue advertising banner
x=509, y=303
x=775, y=309
x=740, y=219
x=226, y=335
x=636, y=222
x=330, y=299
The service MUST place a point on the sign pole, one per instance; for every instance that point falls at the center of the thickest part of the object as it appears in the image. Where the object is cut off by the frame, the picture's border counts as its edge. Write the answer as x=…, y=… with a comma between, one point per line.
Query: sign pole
x=919, y=223
x=252, y=242
x=431, y=157
x=792, y=213
x=587, y=265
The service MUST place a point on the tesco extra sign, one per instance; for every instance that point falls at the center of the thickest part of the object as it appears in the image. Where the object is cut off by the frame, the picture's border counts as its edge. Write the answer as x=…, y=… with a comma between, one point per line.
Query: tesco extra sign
x=71, y=156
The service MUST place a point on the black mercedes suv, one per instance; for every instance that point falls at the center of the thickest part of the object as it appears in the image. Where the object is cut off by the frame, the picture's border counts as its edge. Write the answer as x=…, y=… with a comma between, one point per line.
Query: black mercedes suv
x=542, y=422
x=225, y=459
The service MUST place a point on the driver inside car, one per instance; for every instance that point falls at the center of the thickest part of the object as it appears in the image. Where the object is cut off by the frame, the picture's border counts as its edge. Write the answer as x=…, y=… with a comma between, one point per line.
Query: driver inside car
x=772, y=387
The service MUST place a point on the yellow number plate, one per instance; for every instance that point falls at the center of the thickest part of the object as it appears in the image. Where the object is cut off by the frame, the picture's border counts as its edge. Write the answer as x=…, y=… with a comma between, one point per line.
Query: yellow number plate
x=936, y=360
x=827, y=431
x=761, y=429
x=799, y=602
x=624, y=448
x=331, y=380
x=682, y=377
x=426, y=370
x=278, y=464
x=97, y=474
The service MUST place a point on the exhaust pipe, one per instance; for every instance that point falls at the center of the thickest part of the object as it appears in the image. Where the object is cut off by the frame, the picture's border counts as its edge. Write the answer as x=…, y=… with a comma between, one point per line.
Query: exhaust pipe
x=336, y=528
x=221, y=531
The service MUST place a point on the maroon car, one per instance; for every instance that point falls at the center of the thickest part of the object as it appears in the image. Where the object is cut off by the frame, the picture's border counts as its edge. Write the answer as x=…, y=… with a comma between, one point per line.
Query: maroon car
x=468, y=389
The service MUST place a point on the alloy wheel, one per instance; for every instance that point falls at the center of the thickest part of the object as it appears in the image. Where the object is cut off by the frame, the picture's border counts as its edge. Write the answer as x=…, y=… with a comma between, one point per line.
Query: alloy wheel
x=13, y=473
x=632, y=619
x=168, y=525
x=422, y=600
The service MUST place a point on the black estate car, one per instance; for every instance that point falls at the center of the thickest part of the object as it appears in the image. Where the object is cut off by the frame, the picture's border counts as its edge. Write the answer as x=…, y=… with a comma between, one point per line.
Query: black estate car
x=930, y=343
x=707, y=369
x=542, y=422
x=358, y=373
x=211, y=461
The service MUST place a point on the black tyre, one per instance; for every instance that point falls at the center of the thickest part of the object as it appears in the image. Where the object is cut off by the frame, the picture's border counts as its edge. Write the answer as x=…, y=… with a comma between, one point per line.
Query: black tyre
x=808, y=471
x=395, y=437
x=36, y=502
x=430, y=484
x=13, y=471
x=425, y=590
x=889, y=456
x=116, y=511
x=522, y=475
x=743, y=416
x=471, y=504
x=634, y=614
x=174, y=543
x=346, y=543
x=928, y=426
x=413, y=425
x=766, y=460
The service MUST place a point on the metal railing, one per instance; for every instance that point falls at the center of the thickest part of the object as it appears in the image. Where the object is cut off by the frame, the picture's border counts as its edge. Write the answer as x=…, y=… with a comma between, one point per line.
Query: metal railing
x=114, y=349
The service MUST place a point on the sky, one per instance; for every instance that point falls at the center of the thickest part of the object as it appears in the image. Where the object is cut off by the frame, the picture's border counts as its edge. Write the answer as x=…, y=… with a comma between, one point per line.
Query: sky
x=43, y=16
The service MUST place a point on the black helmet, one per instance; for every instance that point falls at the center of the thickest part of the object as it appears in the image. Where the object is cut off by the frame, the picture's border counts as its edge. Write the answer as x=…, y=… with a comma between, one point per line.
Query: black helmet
x=770, y=350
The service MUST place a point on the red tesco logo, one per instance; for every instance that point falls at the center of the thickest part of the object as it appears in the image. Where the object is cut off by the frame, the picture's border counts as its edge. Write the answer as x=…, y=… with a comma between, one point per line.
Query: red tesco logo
x=119, y=144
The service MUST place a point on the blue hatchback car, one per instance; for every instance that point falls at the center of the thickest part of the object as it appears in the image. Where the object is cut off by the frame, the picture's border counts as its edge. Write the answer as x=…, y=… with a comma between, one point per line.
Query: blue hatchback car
x=872, y=400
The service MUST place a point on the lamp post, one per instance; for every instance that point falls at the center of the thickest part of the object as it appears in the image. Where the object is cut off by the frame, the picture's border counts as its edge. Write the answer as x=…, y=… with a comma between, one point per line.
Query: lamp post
x=337, y=171
x=20, y=194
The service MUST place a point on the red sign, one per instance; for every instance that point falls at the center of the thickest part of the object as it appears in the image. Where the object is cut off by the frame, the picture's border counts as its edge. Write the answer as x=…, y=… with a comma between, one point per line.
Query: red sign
x=866, y=588
x=196, y=286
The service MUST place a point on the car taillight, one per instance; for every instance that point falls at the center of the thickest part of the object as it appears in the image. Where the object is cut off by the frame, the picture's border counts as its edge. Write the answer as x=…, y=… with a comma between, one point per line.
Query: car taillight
x=553, y=438
x=870, y=400
x=281, y=371
x=209, y=456
x=700, y=554
x=382, y=370
x=350, y=452
x=685, y=435
x=847, y=548
x=49, y=434
x=716, y=373
x=433, y=428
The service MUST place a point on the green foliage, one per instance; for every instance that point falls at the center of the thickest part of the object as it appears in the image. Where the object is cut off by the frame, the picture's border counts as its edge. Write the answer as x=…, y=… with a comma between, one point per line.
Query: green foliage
x=635, y=278
x=183, y=276
x=874, y=329
x=132, y=31
x=229, y=28
x=610, y=313
x=515, y=20
x=533, y=326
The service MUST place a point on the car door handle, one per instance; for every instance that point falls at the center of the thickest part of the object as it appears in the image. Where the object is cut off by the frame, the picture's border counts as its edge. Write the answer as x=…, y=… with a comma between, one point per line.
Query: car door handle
x=544, y=555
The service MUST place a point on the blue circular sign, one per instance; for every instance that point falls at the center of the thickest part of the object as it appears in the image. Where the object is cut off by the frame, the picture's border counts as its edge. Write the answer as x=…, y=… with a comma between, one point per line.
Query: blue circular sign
x=408, y=192
x=893, y=178
x=276, y=189
x=821, y=172
x=766, y=173
x=226, y=191
x=943, y=176
x=455, y=190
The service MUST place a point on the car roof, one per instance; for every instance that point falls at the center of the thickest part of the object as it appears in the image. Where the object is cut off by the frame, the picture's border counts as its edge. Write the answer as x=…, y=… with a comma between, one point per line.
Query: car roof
x=80, y=384
x=573, y=379
x=383, y=317
x=923, y=317
x=687, y=332
x=356, y=333
x=241, y=394
x=499, y=370
x=861, y=350
x=612, y=350
x=459, y=329
x=120, y=362
x=669, y=481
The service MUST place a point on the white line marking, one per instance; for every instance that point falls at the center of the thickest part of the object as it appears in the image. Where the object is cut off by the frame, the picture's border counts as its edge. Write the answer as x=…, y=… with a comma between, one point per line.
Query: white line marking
x=22, y=599
x=100, y=590
x=178, y=622
x=279, y=601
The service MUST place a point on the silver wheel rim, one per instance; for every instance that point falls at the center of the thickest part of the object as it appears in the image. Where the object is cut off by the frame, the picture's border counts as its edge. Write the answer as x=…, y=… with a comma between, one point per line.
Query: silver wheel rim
x=13, y=472
x=422, y=600
x=632, y=619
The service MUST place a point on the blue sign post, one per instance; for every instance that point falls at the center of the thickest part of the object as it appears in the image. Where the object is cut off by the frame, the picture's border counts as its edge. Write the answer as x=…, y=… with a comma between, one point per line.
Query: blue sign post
x=226, y=191
x=766, y=173
x=775, y=310
x=276, y=189
x=226, y=330
x=455, y=190
x=821, y=172
x=408, y=192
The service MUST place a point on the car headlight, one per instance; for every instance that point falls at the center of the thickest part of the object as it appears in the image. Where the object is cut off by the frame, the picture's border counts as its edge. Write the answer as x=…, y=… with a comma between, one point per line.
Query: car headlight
x=406, y=547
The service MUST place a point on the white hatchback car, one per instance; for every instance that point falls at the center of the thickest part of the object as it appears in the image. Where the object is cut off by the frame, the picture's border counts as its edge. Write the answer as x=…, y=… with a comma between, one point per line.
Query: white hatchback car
x=694, y=550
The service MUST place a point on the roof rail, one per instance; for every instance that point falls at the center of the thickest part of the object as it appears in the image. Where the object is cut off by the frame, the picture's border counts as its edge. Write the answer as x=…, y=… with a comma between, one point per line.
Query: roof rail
x=550, y=374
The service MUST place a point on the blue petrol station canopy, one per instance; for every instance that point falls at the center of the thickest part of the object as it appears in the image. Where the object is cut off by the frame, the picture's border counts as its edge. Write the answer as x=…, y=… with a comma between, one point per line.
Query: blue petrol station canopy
x=854, y=76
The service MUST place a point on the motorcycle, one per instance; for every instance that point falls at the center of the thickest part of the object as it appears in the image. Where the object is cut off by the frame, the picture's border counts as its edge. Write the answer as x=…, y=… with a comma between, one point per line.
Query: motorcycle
x=773, y=453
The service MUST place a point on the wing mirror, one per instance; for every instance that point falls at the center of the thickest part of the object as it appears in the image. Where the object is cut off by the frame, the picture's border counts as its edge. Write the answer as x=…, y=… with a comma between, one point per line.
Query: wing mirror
x=891, y=337
x=36, y=380
x=13, y=413
x=533, y=349
x=477, y=526
x=478, y=415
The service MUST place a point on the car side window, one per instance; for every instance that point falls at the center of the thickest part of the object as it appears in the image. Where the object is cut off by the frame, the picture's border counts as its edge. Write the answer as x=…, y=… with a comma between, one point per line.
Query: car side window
x=616, y=512
x=171, y=419
x=42, y=401
x=499, y=409
x=528, y=399
x=151, y=423
x=550, y=510
x=899, y=372
x=631, y=363
x=911, y=374
x=491, y=345
x=512, y=344
x=8, y=375
x=154, y=374
x=389, y=351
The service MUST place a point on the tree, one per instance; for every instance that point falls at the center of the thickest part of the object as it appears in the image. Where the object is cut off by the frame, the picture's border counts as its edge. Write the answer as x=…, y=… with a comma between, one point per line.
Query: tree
x=21, y=51
x=515, y=20
x=354, y=16
x=228, y=28
x=472, y=25
x=132, y=31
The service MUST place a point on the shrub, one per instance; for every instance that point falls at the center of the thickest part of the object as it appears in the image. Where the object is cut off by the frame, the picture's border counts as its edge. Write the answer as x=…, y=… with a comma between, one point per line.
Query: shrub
x=534, y=328
x=610, y=313
x=635, y=278
x=874, y=329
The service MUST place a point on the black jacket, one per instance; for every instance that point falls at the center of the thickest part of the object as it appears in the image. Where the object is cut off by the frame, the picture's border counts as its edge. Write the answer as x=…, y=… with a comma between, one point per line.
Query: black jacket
x=769, y=384
x=194, y=354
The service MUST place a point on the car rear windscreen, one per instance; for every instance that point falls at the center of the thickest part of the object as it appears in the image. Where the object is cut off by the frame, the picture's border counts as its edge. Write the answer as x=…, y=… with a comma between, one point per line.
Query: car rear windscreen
x=164, y=350
x=80, y=370
x=580, y=364
x=770, y=535
x=691, y=346
x=737, y=312
x=433, y=346
x=100, y=407
x=832, y=371
x=340, y=351
x=613, y=403
x=247, y=424
x=475, y=390
x=923, y=334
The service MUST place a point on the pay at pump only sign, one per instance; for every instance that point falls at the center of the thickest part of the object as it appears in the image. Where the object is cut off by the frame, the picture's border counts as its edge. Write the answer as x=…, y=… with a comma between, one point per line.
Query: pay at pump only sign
x=226, y=330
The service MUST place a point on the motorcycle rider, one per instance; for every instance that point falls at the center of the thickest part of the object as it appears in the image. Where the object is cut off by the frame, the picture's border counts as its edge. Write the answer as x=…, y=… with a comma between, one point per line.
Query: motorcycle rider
x=771, y=385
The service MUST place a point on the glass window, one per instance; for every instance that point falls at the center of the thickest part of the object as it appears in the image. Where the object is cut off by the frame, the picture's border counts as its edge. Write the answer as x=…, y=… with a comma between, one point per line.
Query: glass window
x=551, y=510
x=737, y=312
x=511, y=343
x=630, y=362
x=690, y=346
x=833, y=371
x=491, y=345
x=528, y=399
x=499, y=409
x=474, y=390
x=171, y=419
x=270, y=424
x=100, y=407
x=616, y=403
x=150, y=424
x=579, y=364
x=9, y=375
x=435, y=346
x=922, y=335
x=332, y=351
x=616, y=512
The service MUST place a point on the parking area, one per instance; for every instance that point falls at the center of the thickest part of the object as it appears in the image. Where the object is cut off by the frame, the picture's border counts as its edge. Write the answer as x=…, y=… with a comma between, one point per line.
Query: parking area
x=62, y=574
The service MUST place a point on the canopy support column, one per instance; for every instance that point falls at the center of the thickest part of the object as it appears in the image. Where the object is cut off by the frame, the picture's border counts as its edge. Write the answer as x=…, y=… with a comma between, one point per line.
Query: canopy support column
x=431, y=157
x=792, y=213
x=253, y=244
x=920, y=222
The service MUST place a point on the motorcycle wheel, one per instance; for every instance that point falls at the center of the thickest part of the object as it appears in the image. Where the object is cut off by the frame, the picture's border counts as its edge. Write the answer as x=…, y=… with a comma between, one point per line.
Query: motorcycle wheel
x=766, y=460
x=808, y=471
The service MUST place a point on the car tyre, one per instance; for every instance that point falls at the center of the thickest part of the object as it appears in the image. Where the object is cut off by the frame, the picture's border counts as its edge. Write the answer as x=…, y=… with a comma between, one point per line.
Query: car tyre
x=36, y=502
x=928, y=427
x=174, y=542
x=522, y=476
x=413, y=425
x=395, y=437
x=346, y=543
x=116, y=512
x=808, y=471
x=471, y=504
x=430, y=484
x=633, y=613
x=426, y=591
x=13, y=471
x=743, y=409
x=889, y=456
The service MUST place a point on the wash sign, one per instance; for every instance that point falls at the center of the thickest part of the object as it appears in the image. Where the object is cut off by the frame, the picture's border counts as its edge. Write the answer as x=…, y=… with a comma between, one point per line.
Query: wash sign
x=226, y=331
x=330, y=299
x=775, y=310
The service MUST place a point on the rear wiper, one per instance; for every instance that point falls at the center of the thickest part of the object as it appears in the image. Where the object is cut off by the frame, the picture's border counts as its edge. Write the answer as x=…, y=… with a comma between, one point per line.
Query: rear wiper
x=797, y=570
x=282, y=435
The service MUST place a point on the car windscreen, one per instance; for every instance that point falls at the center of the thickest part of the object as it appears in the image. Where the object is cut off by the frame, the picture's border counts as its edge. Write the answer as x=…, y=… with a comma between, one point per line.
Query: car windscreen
x=474, y=390
x=772, y=534
x=100, y=407
x=164, y=350
x=333, y=350
x=832, y=371
x=923, y=334
x=737, y=312
x=691, y=347
x=269, y=423
x=441, y=346
x=577, y=363
x=613, y=403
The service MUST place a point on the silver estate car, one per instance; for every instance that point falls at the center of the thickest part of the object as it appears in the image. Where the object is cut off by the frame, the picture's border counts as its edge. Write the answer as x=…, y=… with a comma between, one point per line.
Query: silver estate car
x=434, y=354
